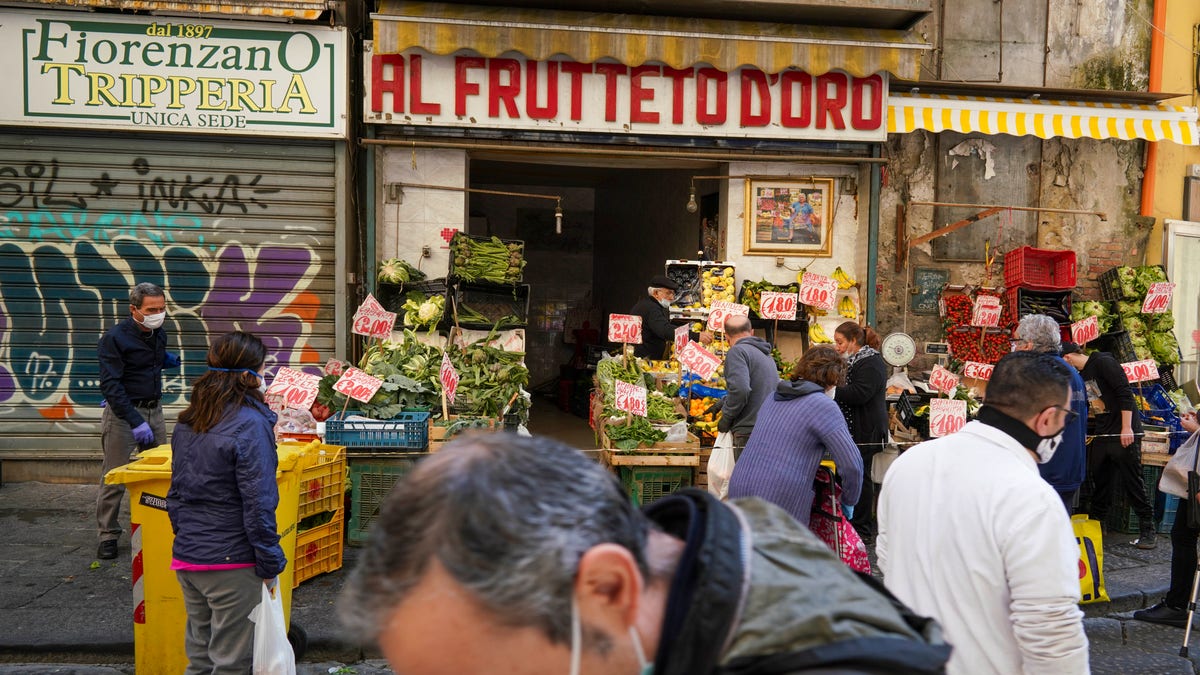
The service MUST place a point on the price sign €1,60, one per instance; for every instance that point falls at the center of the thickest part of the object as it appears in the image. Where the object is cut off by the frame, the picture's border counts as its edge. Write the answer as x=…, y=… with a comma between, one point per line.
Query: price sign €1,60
x=357, y=385
x=625, y=328
x=818, y=290
x=946, y=416
x=297, y=390
x=776, y=305
x=630, y=398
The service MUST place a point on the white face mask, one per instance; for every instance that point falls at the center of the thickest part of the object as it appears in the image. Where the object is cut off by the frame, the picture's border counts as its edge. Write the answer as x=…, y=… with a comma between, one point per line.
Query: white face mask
x=665, y=303
x=1049, y=445
x=153, y=321
x=646, y=667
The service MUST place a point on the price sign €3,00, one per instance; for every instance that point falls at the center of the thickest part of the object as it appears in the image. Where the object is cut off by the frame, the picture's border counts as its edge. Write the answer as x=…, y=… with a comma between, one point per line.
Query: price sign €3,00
x=776, y=305
x=818, y=290
x=296, y=389
x=946, y=416
x=630, y=398
x=357, y=385
x=625, y=328
x=720, y=310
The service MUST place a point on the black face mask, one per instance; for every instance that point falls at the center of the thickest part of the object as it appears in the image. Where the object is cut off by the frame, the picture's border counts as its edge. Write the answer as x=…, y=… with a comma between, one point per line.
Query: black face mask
x=1043, y=446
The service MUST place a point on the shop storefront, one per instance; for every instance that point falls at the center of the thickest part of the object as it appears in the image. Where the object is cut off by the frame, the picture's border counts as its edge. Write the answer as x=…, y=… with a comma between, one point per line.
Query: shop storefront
x=204, y=155
x=656, y=137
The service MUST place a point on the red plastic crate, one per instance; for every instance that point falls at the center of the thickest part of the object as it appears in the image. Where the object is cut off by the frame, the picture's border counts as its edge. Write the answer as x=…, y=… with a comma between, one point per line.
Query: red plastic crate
x=1039, y=269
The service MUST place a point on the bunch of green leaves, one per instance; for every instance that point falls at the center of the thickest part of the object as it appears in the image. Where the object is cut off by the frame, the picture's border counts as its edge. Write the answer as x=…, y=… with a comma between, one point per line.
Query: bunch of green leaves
x=1164, y=347
x=1085, y=308
x=613, y=368
x=488, y=377
x=784, y=366
x=487, y=259
x=660, y=409
x=635, y=434
x=962, y=393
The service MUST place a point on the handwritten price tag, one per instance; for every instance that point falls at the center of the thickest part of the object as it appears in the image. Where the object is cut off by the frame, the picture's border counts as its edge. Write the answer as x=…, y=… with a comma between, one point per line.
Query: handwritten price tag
x=681, y=339
x=631, y=398
x=720, y=310
x=818, y=290
x=943, y=380
x=1140, y=371
x=357, y=385
x=699, y=360
x=625, y=328
x=946, y=416
x=1158, y=297
x=986, y=311
x=776, y=305
x=294, y=388
x=978, y=371
x=449, y=377
x=372, y=320
x=1085, y=330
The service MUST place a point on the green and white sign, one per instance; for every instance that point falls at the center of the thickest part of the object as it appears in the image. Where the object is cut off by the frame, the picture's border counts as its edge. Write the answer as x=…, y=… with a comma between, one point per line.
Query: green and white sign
x=161, y=73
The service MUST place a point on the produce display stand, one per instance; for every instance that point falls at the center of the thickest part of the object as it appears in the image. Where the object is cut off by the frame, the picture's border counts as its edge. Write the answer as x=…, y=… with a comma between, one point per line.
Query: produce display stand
x=655, y=471
x=440, y=434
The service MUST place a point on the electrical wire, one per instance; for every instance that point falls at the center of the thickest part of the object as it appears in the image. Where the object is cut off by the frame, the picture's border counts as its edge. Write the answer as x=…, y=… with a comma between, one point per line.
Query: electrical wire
x=1191, y=50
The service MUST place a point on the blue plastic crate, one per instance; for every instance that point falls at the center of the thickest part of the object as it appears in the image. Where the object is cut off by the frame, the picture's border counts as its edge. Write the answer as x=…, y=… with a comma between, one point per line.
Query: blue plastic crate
x=406, y=431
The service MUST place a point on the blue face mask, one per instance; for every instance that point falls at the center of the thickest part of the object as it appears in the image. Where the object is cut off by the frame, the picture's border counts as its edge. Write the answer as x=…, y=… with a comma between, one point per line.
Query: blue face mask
x=647, y=668
x=262, y=382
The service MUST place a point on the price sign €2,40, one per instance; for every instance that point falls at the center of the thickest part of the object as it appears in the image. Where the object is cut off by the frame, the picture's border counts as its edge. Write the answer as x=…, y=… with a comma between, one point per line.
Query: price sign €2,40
x=296, y=389
x=625, y=328
x=818, y=290
x=630, y=398
x=943, y=380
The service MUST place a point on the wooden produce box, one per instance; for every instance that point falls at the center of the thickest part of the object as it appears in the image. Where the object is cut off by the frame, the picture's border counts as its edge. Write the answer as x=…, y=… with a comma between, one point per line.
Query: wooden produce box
x=437, y=433
x=1156, y=448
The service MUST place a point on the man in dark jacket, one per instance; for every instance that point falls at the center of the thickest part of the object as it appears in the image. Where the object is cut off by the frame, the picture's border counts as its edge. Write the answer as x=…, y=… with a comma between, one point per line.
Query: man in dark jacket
x=657, y=329
x=1115, y=454
x=750, y=377
x=579, y=581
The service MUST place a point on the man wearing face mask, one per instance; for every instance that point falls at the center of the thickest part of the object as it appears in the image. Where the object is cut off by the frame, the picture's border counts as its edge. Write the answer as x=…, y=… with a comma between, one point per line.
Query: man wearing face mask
x=132, y=355
x=971, y=535
x=657, y=329
x=504, y=554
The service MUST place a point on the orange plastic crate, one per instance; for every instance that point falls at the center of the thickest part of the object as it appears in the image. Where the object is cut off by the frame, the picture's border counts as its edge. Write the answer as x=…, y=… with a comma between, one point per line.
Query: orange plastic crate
x=318, y=550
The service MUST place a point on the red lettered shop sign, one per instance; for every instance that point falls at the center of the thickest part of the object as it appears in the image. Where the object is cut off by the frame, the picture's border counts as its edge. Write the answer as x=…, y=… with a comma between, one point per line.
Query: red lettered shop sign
x=513, y=92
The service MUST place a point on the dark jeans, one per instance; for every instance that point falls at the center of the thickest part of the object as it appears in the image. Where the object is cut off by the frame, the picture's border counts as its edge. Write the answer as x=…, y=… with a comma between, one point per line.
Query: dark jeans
x=1116, y=470
x=864, y=512
x=1183, y=559
x=739, y=444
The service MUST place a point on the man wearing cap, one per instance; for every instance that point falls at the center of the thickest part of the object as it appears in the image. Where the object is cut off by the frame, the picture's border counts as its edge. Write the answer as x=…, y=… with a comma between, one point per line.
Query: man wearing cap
x=657, y=329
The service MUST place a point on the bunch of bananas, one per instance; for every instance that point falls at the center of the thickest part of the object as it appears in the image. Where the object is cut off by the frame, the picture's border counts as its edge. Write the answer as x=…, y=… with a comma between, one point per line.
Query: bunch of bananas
x=844, y=280
x=816, y=334
x=847, y=307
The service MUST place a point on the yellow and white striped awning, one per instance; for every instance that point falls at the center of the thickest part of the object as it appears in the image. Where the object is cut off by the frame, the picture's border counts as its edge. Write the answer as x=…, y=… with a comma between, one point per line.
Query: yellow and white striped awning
x=1042, y=118
x=633, y=40
x=309, y=10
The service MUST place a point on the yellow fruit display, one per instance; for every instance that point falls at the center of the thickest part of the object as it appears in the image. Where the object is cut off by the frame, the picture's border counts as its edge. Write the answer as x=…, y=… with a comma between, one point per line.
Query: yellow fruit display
x=844, y=280
x=847, y=307
x=816, y=334
x=717, y=283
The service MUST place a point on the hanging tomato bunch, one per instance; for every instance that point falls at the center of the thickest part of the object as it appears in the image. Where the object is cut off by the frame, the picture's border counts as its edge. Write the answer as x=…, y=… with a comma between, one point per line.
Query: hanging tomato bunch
x=963, y=338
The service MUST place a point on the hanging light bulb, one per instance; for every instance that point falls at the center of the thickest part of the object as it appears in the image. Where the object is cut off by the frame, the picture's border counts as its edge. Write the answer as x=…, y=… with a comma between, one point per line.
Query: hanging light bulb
x=558, y=217
x=692, y=206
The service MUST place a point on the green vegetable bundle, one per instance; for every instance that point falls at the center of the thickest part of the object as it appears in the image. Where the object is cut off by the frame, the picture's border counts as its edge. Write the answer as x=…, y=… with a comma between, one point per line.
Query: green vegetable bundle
x=397, y=271
x=1085, y=308
x=486, y=259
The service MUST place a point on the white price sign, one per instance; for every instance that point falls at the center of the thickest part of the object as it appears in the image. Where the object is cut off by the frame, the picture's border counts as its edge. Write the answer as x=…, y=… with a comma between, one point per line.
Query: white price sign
x=294, y=388
x=943, y=380
x=625, y=328
x=1158, y=297
x=372, y=320
x=818, y=290
x=1140, y=371
x=449, y=378
x=978, y=371
x=681, y=339
x=986, y=311
x=776, y=305
x=720, y=310
x=699, y=360
x=357, y=385
x=631, y=398
x=946, y=416
x=1085, y=330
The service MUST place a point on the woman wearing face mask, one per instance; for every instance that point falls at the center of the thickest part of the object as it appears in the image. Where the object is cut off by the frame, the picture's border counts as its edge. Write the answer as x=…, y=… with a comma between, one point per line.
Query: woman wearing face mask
x=863, y=400
x=222, y=505
x=794, y=429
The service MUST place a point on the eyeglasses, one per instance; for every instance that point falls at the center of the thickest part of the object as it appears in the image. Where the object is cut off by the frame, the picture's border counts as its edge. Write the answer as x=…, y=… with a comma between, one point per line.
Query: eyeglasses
x=1070, y=415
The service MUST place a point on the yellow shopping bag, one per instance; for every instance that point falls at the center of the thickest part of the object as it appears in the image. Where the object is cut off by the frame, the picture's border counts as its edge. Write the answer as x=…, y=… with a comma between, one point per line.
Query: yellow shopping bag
x=1091, y=558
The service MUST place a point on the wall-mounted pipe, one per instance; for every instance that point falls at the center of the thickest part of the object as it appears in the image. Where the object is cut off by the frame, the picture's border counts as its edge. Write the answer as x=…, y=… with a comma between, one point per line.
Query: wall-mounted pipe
x=1150, y=172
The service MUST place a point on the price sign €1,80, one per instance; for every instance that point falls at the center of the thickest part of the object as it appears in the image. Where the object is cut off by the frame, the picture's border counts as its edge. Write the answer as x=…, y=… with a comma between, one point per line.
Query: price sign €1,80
x=818, y=290
x=625, y=328
x=630, y=398
x=776, y=305
x=946, y=416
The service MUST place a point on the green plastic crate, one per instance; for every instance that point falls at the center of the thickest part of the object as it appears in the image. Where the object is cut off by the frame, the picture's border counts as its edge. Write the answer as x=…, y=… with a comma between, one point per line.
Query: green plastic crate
x=370, y=483
x=646, y=484
x=1121, y=517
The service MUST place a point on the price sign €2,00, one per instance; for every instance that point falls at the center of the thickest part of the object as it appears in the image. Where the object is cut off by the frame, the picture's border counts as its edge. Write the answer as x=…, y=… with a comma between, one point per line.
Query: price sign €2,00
x=625, y=328
x=1141, y=371
x=720, y=310
x=357, y=385
x=630, y=398
x=818, y=290
x=297, y=390
x=372, y=320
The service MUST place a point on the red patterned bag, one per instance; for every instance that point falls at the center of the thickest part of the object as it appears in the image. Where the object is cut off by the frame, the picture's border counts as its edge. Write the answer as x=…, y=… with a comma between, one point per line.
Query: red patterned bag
x=831, y=526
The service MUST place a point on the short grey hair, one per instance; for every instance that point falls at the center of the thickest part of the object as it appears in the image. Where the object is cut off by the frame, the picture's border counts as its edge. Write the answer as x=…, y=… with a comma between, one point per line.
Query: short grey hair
x=138, y=295
x=508, y=517
x=1041, y=331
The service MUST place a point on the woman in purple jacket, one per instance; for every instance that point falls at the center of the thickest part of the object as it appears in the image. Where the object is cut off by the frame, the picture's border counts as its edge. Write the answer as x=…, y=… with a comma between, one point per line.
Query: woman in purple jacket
x=222, y=505
x=795, y=428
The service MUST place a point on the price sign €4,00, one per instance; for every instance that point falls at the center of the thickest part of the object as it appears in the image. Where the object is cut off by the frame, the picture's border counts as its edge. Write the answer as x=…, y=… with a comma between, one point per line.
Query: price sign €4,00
x=625, y=328
x=946, y=416
x=296, y=389
x=357, y=385
x=1158, y=297
x=818, y=290
x=630, y=398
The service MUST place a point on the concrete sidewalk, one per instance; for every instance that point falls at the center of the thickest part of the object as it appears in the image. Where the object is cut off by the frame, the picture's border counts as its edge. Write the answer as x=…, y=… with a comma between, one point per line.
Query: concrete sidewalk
x=60, y=605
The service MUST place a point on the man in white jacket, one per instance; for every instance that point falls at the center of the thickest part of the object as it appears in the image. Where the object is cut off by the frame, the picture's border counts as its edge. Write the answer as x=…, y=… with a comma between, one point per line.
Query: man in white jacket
x=971, y=535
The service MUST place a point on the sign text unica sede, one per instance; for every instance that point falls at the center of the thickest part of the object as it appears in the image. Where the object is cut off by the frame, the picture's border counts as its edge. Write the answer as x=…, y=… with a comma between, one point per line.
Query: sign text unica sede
x=416, y=87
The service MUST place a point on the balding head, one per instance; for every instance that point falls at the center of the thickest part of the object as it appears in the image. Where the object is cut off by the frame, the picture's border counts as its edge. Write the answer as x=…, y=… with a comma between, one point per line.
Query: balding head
x=737, y=326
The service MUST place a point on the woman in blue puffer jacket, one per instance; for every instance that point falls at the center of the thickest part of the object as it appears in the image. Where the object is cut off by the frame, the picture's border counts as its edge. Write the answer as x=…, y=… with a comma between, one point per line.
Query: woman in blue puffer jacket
x=222, y=505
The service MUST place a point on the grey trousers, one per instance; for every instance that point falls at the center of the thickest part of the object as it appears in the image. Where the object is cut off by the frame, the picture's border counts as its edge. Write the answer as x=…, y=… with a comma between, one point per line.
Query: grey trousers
x=117, y=439
x=219, y=639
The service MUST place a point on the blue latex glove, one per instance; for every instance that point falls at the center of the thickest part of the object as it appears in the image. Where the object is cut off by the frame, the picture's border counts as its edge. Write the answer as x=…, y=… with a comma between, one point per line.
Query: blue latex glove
x=143, y=434
x=103, y=403
x=171, y=360
x=848, y=511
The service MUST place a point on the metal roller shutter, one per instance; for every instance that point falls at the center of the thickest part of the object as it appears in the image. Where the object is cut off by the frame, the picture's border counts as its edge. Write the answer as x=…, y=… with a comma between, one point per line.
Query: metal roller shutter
x=240, y=233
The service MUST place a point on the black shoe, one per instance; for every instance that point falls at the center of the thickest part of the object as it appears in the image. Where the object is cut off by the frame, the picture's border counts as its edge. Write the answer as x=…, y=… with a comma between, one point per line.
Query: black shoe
x=1147, y=540
x=107, y=549
x=1164, y=614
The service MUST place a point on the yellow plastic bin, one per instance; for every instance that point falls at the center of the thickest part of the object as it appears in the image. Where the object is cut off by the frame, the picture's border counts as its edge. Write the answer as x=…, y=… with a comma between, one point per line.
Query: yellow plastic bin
x=159, y=617
x=320, y=520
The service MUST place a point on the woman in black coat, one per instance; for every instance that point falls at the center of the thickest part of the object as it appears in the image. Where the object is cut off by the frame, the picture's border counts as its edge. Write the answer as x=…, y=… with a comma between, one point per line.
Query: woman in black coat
x=863, y=401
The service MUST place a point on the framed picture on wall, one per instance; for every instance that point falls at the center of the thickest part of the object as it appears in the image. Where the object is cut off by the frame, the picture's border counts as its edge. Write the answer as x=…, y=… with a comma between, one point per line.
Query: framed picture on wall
x=789, y=217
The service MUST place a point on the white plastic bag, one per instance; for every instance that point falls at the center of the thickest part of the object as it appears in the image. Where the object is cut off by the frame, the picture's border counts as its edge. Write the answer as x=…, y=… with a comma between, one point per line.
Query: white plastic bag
x=273, y=653
x=720, y=465
x=1174, y=480
x=677, y=433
